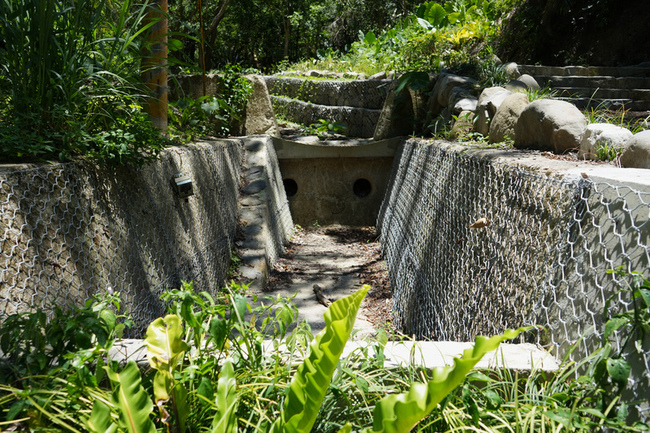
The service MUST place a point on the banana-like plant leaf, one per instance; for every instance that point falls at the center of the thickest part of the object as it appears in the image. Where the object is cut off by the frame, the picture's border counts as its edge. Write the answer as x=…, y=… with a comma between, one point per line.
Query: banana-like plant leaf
x=225, y=421
x=399, y=413
x=181, y=407
x=100, y=419
x=165, y=343
x=162, y=385
x=308, y=386
x=131, y=399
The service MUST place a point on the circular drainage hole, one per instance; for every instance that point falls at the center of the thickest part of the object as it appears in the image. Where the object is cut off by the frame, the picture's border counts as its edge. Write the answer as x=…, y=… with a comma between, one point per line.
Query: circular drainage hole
x=290, y=187
x=362, y=188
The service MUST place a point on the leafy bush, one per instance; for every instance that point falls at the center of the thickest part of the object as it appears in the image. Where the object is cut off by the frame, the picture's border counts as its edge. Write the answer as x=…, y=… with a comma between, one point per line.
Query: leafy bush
x=212, y=115
x=71, y=71
x=226, y=367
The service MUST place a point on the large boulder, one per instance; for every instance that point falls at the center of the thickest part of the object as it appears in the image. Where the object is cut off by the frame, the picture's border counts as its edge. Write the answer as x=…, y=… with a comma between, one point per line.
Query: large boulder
x=505, y=119
x=637, y=151
x=445, y=85
x=260, y=117
x=602, y=135
x=488, y=103
x=549, y=124
x=463, y=124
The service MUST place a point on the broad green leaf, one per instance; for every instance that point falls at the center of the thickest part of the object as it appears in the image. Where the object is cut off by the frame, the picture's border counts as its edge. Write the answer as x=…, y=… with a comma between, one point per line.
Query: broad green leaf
x=618, y=369
x=346, y=428
x=435, y=14
x=162, y=385
x=225, y=420
x=100, y=419
x=131, y=399
x=310, y=383
x=181, y=406
x=401, y=412
x=370, y=38
x=165, y=343
x=426, y=25
x=218, y=331
x=614, y=324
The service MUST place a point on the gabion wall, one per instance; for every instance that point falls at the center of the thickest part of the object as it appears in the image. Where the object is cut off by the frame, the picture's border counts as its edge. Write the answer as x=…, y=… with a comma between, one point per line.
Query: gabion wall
x=69, y=231
x=541, y=260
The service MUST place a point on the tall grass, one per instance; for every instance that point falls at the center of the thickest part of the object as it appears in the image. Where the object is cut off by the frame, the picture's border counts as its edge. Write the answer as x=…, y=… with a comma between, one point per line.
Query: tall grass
x=71, y=70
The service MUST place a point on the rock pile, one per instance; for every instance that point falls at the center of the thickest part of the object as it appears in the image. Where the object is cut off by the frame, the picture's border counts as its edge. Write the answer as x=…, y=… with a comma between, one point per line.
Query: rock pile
x=505, y=113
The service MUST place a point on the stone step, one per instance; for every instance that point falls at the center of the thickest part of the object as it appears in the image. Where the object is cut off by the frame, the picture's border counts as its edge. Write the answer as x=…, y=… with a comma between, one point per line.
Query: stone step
x=369, y=94
x=360, y=122
x=642, y=70
x=601, y=93
x=609, y=104
x=603, y=82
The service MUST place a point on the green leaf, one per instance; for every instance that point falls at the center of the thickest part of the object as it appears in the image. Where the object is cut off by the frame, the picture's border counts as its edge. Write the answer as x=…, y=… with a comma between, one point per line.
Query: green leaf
x=312, y=379
x=370, y=38
x=225, y=421
x=181, y=406
x=401, y=412
x=347, y=428
x=619, y=370
x=435, y=14
x=165, y=343
x=100, y=419
x=614, y=324
x=162, y=384
x=218, y=331
x=131, y=399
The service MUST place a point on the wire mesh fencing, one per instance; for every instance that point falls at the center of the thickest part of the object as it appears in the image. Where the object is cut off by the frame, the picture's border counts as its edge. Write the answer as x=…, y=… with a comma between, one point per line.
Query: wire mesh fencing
x=475, y=247
x=70, y=231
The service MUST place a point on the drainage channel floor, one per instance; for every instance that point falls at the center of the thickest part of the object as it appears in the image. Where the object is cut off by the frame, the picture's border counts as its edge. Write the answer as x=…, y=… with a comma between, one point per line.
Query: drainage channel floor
x=339, y=260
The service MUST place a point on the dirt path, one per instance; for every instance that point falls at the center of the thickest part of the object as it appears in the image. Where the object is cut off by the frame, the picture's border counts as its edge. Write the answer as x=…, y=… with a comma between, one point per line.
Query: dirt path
x=339, y=260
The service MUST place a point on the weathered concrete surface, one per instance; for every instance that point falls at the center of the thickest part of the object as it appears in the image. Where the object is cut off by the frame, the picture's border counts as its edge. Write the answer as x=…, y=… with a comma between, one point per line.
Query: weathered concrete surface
x=336, y=183
x=518, y=357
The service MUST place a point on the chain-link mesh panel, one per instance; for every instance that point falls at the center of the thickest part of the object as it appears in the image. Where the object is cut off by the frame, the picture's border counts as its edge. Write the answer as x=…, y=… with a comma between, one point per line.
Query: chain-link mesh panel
x=70, y=231
x=543, y=258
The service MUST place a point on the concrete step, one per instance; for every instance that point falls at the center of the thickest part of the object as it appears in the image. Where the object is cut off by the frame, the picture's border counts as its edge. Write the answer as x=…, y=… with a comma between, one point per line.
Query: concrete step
x=602, y=82
x=360, y=122
x=369, y=94
x=642, y=70
x=604, y=93
x=609, y=104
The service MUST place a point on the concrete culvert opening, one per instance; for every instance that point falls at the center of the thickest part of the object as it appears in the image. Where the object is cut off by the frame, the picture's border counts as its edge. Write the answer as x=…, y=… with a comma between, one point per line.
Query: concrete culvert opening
x=290, y=187
x=362, y=188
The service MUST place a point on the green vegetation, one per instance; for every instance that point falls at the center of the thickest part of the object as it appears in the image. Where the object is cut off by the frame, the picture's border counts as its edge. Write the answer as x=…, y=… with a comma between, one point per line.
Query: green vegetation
x=70, y=81
x=456, y=35
x=224, y=366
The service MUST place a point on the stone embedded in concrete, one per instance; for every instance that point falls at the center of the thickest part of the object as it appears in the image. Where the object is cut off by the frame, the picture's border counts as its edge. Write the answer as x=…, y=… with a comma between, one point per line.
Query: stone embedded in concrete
x=488, y=103
x=445, y=85
x=259, y=117
x=378, y=76
x=637, y=151
x=469, y=103
x=506, y=116
x=549, y=124
x=396, y=117
x=463, y=124
x=512, y=70
x=456, y=94
x=602, y=135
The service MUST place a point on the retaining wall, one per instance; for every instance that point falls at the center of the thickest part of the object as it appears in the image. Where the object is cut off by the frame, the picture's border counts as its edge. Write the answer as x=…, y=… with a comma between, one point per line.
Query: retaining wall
x=70, y=231
x=479, y=241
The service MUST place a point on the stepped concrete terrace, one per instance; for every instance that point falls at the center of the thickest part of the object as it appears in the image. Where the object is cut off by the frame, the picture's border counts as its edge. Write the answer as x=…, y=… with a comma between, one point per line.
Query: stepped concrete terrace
x=625, y=87
x=356, y=104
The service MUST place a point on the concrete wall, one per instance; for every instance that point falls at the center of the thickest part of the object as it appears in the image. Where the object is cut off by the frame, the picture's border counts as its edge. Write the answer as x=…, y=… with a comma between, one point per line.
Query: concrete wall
x=554, y=228
x=70, y=231
x=333, y=183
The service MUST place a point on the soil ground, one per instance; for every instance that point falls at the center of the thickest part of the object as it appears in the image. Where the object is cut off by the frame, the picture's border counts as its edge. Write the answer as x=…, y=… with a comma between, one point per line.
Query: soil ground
x=340, y=260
